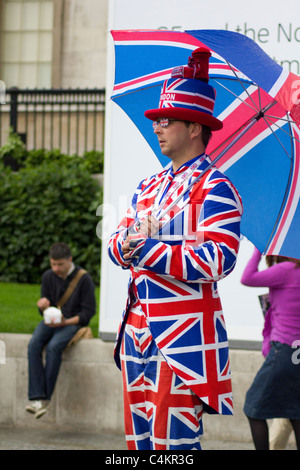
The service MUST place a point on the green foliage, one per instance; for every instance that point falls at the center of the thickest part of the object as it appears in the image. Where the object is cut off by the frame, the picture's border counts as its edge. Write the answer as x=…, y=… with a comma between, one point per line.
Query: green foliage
x=13, y=152
x=91, y=161
x=19, y=313
x=52, y=200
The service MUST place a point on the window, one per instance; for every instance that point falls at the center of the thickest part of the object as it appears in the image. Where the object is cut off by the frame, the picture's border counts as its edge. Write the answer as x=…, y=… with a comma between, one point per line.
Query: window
x=26, y=43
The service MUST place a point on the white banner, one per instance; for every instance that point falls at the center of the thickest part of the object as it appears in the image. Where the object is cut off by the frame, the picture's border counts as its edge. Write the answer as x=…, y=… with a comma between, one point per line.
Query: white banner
x=275, y=26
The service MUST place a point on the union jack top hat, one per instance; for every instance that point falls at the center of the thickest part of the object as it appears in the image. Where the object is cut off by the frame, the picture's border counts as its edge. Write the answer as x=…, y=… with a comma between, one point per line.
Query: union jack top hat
x=187, y=96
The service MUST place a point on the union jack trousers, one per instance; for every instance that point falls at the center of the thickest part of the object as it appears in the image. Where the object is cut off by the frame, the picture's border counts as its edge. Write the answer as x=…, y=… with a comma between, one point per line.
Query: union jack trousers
x=161, y=412
x=174, y=275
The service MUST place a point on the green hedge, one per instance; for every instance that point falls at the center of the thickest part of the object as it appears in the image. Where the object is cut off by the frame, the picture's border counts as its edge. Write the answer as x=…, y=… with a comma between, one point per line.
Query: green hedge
x=48, y=200
x=14, y=155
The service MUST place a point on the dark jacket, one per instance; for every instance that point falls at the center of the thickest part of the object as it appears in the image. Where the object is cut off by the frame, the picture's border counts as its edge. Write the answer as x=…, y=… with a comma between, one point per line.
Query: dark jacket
x=82, y=301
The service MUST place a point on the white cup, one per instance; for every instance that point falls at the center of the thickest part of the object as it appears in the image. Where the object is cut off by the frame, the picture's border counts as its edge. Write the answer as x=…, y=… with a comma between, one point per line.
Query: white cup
x=52, y=315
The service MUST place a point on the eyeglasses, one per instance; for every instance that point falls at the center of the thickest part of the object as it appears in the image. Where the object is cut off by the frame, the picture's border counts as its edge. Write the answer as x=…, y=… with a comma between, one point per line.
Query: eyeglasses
x=164, y=122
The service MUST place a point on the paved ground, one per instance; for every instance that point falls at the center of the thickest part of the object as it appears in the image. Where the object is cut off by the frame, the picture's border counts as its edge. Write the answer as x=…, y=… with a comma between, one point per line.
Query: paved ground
x=37, y=439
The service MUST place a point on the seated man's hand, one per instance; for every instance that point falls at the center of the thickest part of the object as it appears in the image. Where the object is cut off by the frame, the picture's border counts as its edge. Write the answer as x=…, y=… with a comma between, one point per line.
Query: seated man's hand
x=43, y=303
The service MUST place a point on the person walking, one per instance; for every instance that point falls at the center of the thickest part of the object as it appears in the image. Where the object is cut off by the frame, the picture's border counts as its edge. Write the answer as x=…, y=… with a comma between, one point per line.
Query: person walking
x=275, y=391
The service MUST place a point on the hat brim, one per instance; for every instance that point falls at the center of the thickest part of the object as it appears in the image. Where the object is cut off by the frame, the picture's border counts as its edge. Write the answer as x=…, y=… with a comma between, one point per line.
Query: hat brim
x=184, y=114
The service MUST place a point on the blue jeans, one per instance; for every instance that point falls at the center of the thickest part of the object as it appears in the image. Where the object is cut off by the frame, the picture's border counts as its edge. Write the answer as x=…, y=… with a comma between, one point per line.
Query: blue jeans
x=42, y=378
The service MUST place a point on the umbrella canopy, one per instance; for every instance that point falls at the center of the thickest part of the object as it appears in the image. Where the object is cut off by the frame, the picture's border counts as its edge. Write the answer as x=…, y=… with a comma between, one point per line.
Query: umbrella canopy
x=257, y=101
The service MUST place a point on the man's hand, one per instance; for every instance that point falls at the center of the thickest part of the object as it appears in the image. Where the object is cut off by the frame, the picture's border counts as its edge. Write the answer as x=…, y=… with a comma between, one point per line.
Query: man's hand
x=148, y=227
x=133, y=244
x=65, y=322
x=43, y=303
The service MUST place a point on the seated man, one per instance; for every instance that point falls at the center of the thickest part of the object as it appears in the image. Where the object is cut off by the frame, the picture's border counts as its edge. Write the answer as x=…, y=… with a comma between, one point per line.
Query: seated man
x=77, y=311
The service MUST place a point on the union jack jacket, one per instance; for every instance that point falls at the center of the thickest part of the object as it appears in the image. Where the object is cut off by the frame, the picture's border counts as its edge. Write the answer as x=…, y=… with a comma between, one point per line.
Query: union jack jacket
x=176, y=271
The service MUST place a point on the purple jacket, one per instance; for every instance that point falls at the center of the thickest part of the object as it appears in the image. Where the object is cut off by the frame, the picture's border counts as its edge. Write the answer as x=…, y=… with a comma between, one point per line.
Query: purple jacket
x=283, y=280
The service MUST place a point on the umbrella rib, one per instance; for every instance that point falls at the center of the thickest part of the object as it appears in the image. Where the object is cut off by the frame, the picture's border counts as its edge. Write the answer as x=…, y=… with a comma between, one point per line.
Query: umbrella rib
x=244, y=131
x=286, y=119
x=279, y=127
x=231, y=136
x=259, y=97
x=254, y=107
x=276, y=136
x=241, y=83
x=258, y=116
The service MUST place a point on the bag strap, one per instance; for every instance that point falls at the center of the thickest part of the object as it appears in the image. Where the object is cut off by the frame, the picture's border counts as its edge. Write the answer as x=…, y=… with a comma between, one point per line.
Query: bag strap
x=73, y=283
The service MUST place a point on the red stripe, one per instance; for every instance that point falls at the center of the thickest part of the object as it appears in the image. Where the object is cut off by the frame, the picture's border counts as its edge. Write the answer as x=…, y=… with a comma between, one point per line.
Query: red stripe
x=182, y=374
x=295, y=182
x=175, y=289
x=289, y=91
x=115, y=251
x=182, y=307
x=241, y=115
x=179, y=327
x=156, y=35
x=181, y=97
x=220, y=218
x=158, y=251
x=141, y=80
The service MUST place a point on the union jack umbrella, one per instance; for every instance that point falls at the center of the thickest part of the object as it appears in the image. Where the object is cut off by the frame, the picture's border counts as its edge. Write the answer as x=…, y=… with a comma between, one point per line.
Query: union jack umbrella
x=257, y=101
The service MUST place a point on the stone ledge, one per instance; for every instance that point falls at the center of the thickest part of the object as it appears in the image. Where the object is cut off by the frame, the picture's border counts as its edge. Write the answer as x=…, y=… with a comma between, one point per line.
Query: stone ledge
x=88, y=394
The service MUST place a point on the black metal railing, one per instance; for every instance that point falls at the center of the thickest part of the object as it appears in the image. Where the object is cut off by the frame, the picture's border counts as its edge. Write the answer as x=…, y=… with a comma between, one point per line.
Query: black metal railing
x=71, y=120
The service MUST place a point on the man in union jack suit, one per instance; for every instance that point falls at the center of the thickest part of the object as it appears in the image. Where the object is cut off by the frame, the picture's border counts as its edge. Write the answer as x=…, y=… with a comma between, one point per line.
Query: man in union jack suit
x=178, y=239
